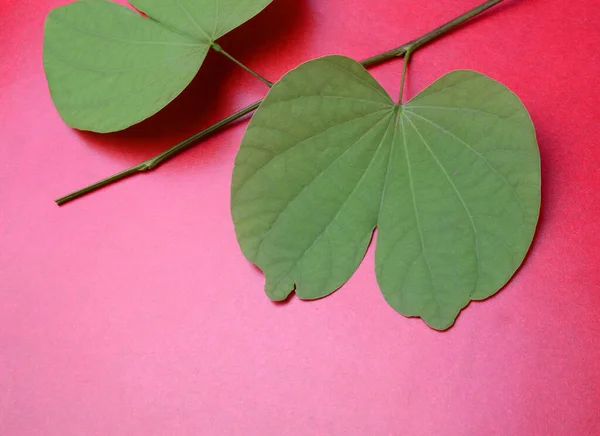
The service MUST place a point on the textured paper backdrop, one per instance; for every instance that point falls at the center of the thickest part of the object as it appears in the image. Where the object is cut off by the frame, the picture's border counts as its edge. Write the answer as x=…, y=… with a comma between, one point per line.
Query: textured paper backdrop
x=133, y=311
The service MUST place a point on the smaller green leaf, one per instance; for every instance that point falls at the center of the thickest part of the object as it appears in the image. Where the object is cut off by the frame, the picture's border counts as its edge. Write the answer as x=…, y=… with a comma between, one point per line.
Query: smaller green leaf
x=451, y=179
x=109, y=68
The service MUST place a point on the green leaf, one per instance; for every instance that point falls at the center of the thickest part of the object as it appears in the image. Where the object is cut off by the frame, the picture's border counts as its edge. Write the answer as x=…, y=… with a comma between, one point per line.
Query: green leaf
x=109, y=68
x=451, y=179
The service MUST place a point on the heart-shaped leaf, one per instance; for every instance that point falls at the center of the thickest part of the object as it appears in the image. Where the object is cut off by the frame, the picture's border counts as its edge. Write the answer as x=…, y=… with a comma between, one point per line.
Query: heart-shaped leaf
x=109, y=68
x=451, y=179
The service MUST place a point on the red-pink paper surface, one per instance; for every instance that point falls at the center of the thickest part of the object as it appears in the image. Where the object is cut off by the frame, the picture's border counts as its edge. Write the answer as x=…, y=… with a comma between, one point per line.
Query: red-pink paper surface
x=133, y=312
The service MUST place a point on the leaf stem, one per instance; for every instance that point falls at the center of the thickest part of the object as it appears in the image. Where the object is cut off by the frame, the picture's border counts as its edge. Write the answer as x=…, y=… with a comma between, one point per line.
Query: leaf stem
x=450, y=25
x=406, y=60
x=216, y=47
x=401, y=50
x=155, y=161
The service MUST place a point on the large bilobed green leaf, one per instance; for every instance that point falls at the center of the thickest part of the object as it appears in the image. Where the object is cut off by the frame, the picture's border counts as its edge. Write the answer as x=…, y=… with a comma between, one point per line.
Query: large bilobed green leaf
x=109, y=68
x=451, y=179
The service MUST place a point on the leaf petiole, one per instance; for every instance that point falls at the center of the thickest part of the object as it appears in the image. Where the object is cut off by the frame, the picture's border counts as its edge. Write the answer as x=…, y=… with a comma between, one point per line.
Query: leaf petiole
x=216, y=47
x=406, y=60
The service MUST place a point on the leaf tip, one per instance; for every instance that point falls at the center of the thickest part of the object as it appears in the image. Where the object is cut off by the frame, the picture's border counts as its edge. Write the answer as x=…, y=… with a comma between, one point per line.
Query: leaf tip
x=279, y=291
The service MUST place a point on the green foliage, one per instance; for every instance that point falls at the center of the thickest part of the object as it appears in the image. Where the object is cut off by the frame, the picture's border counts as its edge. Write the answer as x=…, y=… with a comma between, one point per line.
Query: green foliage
x=451, y=179
x=109, y=68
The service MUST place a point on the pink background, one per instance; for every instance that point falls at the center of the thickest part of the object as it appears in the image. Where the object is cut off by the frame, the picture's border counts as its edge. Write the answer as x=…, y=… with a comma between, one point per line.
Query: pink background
x=133, y=311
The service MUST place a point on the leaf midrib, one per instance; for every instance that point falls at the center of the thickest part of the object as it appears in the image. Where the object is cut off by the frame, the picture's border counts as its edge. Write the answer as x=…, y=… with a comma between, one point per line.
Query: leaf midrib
x=122, y=70
x=129, y=41
x=416, y=212
x=480, y=156
x=193, y=21
x=458, y=194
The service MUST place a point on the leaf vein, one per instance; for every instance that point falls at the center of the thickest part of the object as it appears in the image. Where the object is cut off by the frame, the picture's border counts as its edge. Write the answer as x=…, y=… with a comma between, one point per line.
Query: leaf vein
x=481, y=156
x=461, y=109
x=301, y=97
x=127, y=41
x=121, y=70
x=458, y=194
x=295, y=262
x=193, y=20
x=275, y=156
x=417, y=219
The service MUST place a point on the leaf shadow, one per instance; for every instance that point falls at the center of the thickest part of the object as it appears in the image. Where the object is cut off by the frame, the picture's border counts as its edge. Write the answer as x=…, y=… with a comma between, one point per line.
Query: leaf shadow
x=214, y=93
